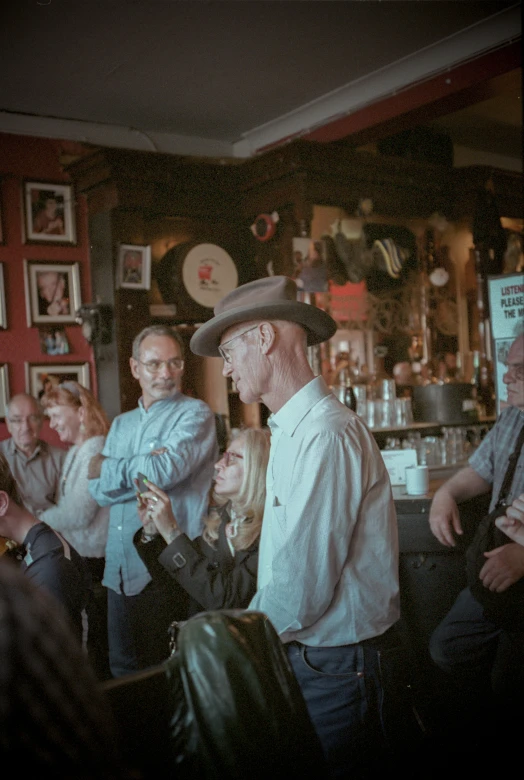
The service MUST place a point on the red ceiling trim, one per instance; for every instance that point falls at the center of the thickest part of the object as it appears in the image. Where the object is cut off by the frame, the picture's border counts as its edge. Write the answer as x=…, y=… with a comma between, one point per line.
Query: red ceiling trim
x=439, y=88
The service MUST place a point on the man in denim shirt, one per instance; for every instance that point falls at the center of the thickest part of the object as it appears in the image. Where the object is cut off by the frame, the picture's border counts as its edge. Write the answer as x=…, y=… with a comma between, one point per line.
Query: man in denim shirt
x=170, y=438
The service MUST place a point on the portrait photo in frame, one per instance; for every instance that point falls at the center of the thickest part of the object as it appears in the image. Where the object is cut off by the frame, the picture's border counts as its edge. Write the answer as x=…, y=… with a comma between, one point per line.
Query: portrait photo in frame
x=49, y=214
x=4, y=390
x=3, y=313
x=52, y=292
x=134, y=267
x=40, y=378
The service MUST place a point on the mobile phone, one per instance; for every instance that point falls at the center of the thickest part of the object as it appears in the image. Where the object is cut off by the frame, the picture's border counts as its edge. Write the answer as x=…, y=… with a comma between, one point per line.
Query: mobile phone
x=142, y=482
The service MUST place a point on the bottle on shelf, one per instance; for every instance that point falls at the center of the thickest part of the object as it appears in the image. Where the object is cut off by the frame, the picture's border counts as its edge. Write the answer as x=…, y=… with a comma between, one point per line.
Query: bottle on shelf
x=459, y=374
x=350, y=398
x=475, y=381
x=482, y=380
x=487, y=386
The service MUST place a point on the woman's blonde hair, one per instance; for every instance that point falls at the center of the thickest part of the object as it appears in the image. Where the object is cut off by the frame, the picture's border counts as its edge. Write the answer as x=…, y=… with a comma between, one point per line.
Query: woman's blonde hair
x=77, y=396
x=249, y=503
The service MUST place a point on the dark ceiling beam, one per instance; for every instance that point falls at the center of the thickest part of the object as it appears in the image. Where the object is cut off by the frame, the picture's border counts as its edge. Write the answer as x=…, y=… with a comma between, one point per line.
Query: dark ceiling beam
x=469, y=83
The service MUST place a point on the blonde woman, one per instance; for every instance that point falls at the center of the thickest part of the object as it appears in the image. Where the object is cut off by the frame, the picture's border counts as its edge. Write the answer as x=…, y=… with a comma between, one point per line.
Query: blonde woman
x=217, y=569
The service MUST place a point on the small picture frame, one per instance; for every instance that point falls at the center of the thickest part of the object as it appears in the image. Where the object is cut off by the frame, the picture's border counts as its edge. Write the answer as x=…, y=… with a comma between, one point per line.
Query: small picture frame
x=53, y=340
x=3, y=313
x=40, y=378
x=134, y=267
x=52, y=292
x=49, y=213
x=4, y=390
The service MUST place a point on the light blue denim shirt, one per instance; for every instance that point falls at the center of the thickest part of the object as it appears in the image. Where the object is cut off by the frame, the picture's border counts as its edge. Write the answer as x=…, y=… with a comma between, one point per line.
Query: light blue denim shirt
x=186, y=427
x=328, y=560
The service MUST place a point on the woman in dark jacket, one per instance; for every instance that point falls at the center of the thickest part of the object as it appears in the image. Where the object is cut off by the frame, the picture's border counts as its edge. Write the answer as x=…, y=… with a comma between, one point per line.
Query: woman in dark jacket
x=217, y=569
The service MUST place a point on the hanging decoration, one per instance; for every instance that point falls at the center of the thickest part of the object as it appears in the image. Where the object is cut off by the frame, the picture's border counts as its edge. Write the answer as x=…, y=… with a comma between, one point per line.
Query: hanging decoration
x=264, y=226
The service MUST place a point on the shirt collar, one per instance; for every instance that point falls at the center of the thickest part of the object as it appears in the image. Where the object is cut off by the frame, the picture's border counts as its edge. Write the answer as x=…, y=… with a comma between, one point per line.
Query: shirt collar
x=41, y=446
x=157, y=406
x=299, y=405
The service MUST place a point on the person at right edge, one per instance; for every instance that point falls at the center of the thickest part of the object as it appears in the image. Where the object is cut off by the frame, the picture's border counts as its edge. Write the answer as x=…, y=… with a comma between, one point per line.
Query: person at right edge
x=328, y=576
x=483, y=657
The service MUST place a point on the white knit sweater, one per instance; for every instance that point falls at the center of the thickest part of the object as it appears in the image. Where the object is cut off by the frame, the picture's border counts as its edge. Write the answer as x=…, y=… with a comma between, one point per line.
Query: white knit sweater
x=77, y=516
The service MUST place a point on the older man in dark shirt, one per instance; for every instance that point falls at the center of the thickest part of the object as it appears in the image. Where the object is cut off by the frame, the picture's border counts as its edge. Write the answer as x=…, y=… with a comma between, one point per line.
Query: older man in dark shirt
x=35, y=464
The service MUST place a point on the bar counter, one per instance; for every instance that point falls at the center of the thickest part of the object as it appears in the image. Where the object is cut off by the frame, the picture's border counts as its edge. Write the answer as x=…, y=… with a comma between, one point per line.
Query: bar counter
x=431, y=575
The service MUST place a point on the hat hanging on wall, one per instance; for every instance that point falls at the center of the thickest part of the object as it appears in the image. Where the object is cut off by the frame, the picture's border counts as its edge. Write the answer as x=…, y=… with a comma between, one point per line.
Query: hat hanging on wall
x=264, y=226
x=350, y=247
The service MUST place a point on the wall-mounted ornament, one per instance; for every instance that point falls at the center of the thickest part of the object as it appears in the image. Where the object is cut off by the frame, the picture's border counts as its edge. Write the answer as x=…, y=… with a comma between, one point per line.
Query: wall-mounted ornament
x=208, y=273
x=350, y=247
x=96, y=320
x=195, y=276
x=265, y=225
x=439, y=277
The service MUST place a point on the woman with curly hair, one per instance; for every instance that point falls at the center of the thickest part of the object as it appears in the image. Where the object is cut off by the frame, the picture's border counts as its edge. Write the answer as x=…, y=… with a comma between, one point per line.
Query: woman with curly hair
x=218, y=569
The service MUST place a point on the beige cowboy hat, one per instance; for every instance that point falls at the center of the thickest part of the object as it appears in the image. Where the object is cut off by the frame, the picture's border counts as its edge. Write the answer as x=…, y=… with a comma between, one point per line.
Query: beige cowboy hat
x=270, y=298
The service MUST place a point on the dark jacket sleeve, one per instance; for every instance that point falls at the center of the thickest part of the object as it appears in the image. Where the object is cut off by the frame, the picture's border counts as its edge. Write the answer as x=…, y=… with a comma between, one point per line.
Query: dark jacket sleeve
x=62, y=577
x=214, y=578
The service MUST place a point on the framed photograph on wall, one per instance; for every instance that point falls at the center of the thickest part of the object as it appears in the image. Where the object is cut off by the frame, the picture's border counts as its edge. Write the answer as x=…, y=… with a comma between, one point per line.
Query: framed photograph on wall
x=134, y=267
x=4, y=390
x=49, y=214
x=40, y=378
x=53, y=340
x=52, y=292
x=3, y=314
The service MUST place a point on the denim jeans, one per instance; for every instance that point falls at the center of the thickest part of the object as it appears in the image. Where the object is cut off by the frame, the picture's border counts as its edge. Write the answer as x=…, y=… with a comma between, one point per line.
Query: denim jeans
x=475, y=652
x=354, y=694
x=138, y=626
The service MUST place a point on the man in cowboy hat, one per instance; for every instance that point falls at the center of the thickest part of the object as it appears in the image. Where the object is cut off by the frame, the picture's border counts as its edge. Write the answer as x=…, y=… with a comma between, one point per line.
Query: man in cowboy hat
x=328, y=567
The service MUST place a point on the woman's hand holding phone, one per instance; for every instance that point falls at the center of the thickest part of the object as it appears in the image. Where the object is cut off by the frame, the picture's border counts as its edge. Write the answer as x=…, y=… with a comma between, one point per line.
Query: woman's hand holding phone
x=154, y=506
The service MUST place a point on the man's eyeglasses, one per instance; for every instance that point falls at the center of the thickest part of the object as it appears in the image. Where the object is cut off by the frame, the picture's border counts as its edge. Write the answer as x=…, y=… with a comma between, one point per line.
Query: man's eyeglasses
x=517, y=369
x=225, y=348
x=154, y=366
x=33, y=419
x=231, y=457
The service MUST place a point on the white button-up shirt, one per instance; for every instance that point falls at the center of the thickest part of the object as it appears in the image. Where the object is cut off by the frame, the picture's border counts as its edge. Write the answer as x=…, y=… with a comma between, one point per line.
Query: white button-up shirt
x=328, y=561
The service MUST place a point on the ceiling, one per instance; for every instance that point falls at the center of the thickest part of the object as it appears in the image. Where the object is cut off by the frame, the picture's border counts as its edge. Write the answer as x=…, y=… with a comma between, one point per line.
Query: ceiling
x=230, y=79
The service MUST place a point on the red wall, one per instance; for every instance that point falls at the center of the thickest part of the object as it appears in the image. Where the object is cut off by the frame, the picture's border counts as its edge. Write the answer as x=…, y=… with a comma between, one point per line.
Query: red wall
x=37, y=159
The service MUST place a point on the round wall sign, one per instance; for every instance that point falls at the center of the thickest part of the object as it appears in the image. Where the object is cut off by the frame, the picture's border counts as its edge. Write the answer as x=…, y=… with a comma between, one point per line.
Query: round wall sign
x=208, y=273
